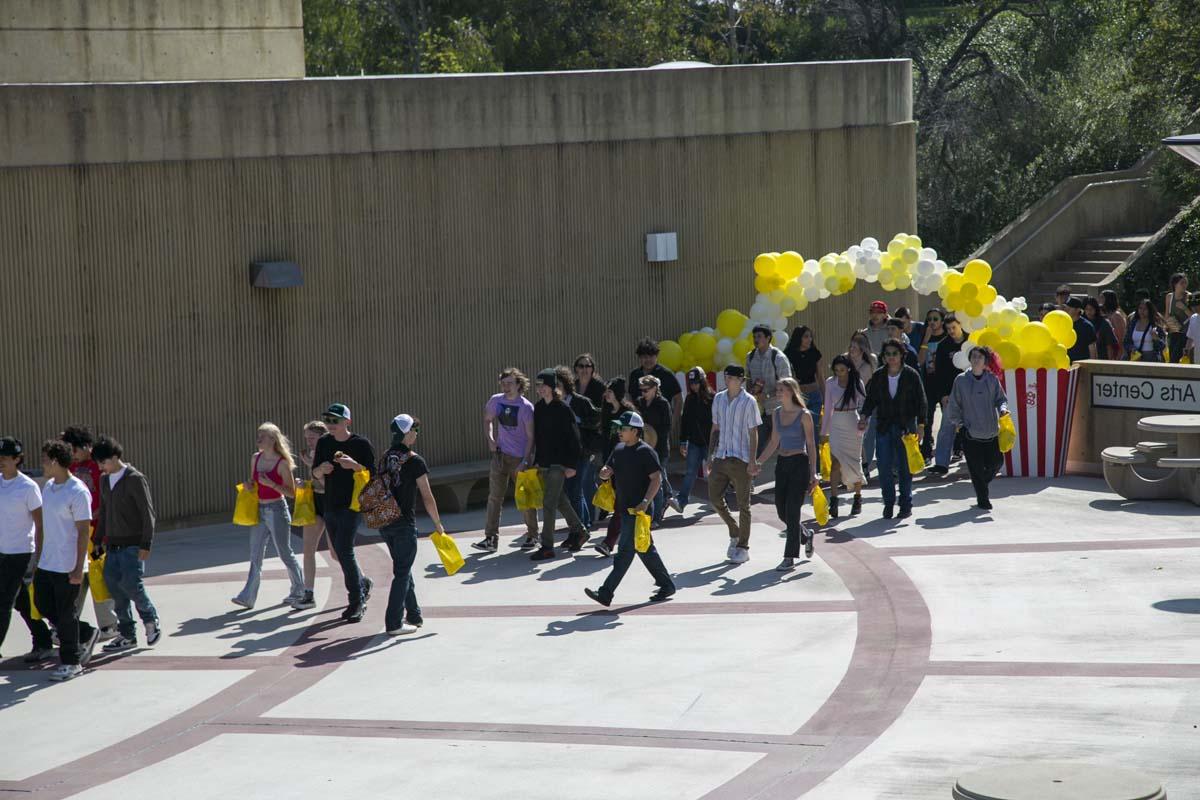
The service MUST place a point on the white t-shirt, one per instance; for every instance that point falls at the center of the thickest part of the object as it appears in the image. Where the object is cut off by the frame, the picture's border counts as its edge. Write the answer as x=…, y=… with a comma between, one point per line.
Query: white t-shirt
x=18, y=499
x=893, y=384
x=63, y=504
x=116, y=476
x=1193, y=330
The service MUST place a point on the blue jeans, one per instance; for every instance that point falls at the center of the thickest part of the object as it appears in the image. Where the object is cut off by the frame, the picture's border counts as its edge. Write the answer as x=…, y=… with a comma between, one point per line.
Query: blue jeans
x=624, y=557
x=814, y=400
x=582, y=487
x=659, y=507
x=123, y=572
x=274, y=523
x=869, y=442
x=342, y=526
x=401, y=540
x=893, y=460
x=944, y=446
x=695, y=457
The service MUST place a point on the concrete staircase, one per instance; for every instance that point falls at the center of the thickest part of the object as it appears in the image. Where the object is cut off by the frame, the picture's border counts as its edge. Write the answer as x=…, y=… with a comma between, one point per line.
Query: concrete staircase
x=1085, y=266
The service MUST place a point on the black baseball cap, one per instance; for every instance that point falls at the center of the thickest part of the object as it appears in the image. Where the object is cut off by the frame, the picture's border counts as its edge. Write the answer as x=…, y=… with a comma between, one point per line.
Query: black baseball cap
x=736, y=371
x=340, y=410
x=11, y=446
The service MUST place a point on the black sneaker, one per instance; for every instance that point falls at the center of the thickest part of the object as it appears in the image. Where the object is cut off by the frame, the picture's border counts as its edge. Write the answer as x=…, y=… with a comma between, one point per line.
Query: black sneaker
x=38, y=654
x=355, y=614
x=833, y=508
x=488, y=544
x=808, y=544
x=367, y=586
x=938, y=471
x=576, y=543
x=305, y=602
x=543, y=554
x=599, y=598
x=888, y=512
x=663, y=593
x=986, y=505
x=603, y=549
x=905, y=512
x=856, y=506
x=528, y=542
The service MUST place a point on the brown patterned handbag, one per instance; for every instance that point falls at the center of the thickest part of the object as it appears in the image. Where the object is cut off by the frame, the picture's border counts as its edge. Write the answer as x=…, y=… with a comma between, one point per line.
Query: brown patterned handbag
x=378, y=504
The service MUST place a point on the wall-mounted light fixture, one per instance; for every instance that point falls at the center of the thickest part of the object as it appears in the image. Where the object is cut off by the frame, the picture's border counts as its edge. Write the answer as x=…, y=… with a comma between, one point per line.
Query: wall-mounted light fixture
x=275, y=274
x=662, y=247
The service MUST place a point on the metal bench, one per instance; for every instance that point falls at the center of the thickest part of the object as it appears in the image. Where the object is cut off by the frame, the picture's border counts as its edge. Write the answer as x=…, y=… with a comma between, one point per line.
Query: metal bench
x=452, y=484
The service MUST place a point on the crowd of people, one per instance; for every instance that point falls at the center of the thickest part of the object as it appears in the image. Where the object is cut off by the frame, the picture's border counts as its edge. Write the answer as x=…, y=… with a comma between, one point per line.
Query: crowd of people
x=886, y=384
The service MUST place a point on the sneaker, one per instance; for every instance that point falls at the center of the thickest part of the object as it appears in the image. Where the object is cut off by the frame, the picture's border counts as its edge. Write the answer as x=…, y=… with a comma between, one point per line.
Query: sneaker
x=38, y=654
x=89, y=647
x=663, y=593
x=741, y=555
x=416, y=623
x=543, y=554
x=488, y=544
x=888, y=512
x=833, y=508
x=731, y=549
x=905, y=512
x=153, y=633
x=856, y=506
x=787, y=565
x=937, y=470
x=355, y=614
x=64, y=672
x=367, y=586
x=108, y=633
x=237, y=601
x=403, y=630
x=673, y=503
x=575, y=543
x=986, y=505
x=306, y=601
x=54, y=638
x=603, y=549
x=599, y=598
x=120, y=644
x=809, y=544
x=529, y=541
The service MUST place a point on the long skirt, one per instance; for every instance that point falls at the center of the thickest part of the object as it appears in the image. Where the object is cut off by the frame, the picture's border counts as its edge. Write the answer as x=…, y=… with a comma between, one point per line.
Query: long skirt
x=846, y=445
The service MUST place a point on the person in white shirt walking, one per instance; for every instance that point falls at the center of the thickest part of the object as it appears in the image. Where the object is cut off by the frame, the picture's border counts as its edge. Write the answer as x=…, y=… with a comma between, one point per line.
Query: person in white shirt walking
x=20, y=524
x=62, y=545
x=766, y=365
x=733, y=446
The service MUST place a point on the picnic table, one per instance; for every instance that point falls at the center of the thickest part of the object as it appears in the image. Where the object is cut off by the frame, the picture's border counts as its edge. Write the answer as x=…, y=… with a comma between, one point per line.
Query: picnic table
x=1158, y=470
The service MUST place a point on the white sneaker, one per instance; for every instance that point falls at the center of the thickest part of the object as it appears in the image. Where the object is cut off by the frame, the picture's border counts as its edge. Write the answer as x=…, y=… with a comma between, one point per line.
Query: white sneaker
x=153, y=633
x=732, y=547
x=237, y=601
x=403, y=630
x=64, y=672
x=741, y=555
x=787, y=565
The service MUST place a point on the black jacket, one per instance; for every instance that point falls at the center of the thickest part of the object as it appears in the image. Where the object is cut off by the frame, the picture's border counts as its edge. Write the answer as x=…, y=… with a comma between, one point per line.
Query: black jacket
x=126, y=516
x=695, y=426
x=905, y=410
x=555, y=435
x=587, y=418
x=944, y=371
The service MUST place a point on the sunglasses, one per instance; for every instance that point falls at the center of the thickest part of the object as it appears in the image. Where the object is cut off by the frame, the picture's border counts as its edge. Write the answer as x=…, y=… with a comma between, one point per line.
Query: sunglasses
x=416, y=428
x=330, y=419
x=585, y=366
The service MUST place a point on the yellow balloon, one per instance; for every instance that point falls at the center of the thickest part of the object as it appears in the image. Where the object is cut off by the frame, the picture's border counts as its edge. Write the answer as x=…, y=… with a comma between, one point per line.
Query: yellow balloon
x=684, y=338
x=801, y=302
x=832, y=282
x=730, y=322
x=1009, y=354
x=986, y=295
x=953, y=280
x=703, y=345
x=910, y=255
x=913, y=241
x=1060, y=324
x=988, y=337
x=1061, y=359
x=953, y=301
x=790, y=265
x=766, y=264
x=1035, y=338
x=670, y=355
x=895, y=247
x=972, y=308
x=978, y=271
x=903, y=280
x=742, y=348
x=1070, y=339
x=886, y=276
x=968, y=291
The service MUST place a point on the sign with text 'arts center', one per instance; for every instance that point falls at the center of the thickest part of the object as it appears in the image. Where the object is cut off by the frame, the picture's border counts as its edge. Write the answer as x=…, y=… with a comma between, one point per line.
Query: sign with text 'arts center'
x=1180, y=395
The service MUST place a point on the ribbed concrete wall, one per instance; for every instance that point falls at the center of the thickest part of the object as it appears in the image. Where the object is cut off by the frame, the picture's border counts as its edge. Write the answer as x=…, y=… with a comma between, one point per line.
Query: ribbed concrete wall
x=68, y=41
x=425, y=270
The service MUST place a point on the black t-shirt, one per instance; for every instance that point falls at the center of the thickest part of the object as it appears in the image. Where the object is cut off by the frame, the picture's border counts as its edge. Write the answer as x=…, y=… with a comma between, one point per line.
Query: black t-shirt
x=403, y=470
x=339, y=484
x=632, y=468
x=804, y=365
x=593, y=392
x=1085, y=335
x=670, y=387
x=657, y=414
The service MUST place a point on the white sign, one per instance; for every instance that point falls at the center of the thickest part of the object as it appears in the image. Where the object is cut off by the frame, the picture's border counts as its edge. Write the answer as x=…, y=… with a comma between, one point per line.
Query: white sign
x=1146, y=394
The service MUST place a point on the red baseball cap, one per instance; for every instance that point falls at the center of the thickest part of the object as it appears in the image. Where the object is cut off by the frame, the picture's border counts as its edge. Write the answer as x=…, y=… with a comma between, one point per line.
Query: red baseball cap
x=879, y=306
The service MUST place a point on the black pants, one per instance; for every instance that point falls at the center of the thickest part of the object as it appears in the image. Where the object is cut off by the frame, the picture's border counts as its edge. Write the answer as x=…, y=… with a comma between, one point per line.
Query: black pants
x=1176, y=342
x=13, y=591
x=342, y=525
x=983, y=462
x=927, y=440
x=792, y=477
x=55, y=596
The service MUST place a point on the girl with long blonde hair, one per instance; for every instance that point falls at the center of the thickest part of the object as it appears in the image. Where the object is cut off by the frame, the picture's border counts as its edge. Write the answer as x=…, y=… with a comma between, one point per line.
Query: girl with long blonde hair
x=271, y=469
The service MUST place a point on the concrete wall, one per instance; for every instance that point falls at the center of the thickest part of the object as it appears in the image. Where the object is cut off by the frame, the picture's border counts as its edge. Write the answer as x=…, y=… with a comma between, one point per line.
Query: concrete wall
x=434, y=252
x=68, y=41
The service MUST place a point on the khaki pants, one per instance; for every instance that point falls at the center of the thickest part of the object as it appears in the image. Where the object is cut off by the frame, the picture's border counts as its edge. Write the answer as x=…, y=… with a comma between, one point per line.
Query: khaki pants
x=503, y=469
x=724, y=472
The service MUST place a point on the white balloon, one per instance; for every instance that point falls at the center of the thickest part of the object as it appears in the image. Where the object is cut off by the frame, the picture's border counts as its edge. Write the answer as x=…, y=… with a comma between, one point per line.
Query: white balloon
x=807, y=280
x=961, y=361
x=873, y=267
x=725, y=345
x=928, y=254
x=780, y=339
x=940, y=265
x=721, y=360
x=935, y=281
x=823, y=293
x=870, y=243
x=779, y=323
x=813, y=293
x=707, y=330
x=925, y=267
x=749, y=326
x=854, y=252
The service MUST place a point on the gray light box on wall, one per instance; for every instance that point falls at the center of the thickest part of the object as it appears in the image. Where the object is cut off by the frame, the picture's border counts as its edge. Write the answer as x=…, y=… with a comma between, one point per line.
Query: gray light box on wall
x=275, y=274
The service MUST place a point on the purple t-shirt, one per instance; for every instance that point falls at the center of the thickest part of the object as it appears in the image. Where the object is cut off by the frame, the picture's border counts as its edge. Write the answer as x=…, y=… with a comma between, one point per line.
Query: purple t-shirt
x=512, y=416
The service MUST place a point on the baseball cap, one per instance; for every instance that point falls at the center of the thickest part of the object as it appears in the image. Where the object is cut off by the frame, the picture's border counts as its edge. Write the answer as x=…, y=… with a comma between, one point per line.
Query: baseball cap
x=736, y=371
x=879, y=306
x=339, y=410
x=1074, y=302
x=1064, y=289
x=548, y=377
x=402, y=423
x=630, y=419
x=11, y=446
x=696, y=374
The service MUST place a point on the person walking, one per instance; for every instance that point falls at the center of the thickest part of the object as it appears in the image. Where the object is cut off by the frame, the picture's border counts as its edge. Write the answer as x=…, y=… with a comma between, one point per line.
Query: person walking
x=557, y=451
x=1145, y=338
x=844, y=397
x=1085, y=333
x=405, y=473
x=587, y=420
x=20, y=527
x=80, y=439
x=1116, y=317
x=508, y=430
x=340, y=454
x=896, y=399
x=1193, y=328
x=1107, y=344
x=792, y=436
x=808, y=367
x=695, y=429
x=944, y=373
x=876, y=329
x=732, y=458
x=766, y=365
x=895, y=327
x=313, y=431
x=62, y=547
x=1176, y=315
x=864, y=360
x=653, y=408
x=647, y=355
x=932, y=334
x=636, y=475
x=587, y=379
x=272, y=473
x=977, y=402
x=615, y=404
x=125, y=529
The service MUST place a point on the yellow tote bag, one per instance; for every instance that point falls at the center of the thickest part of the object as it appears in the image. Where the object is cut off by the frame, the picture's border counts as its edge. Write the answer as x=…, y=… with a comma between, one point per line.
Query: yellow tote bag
x=95, y=578
x=33, y=609
x=447, y=550
x=1008, y=433
x=361, y=478
x=531, y=490
x=916, y=461
x=245, y=510
x=605, y=498
x=641, y=531
x=820, y=506
x=826, y=461
x=306, y=506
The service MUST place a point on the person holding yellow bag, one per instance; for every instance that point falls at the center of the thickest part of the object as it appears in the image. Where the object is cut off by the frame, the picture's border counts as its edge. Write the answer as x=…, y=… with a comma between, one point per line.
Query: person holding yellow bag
x=508, y=429
x=896, y=401
x=637, y=476
x=314, y=532
x=792, y=436
x=272, y=475
x=977, y=402
x=20, y=524
x=83, y=466
x=844, y=396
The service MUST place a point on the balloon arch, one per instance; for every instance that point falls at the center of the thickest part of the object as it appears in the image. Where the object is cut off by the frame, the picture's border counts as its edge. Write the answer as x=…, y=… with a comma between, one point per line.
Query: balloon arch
x=787, y=284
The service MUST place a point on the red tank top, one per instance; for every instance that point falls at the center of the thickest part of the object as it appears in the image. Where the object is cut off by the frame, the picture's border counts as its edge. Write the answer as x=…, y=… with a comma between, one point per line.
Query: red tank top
x=265, y=493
